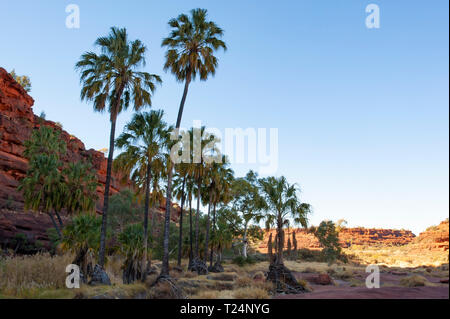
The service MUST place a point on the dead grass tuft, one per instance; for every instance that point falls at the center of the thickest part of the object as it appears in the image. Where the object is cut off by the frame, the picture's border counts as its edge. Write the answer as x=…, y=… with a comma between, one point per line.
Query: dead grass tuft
x=21, y=275
x=251, y=293
x=414, y=281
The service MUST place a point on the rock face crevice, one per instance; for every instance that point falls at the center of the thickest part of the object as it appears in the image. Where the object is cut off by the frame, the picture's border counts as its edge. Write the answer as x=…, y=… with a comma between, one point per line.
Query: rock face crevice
x=17, y=121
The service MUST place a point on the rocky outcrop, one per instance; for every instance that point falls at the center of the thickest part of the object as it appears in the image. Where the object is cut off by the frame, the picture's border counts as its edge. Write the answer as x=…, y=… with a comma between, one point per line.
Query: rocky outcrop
x=435, y=238
x=17, y=121
x=374, y=236
x=347, y=237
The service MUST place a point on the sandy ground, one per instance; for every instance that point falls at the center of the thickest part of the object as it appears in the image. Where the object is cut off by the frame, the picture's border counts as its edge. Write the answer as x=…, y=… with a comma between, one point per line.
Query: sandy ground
x=390, y=289
x=333, y=292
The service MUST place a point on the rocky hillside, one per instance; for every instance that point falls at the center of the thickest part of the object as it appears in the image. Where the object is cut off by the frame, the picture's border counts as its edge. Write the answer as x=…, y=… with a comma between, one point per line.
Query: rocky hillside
x=17, y=121
x=435, y=238
x=347, y=236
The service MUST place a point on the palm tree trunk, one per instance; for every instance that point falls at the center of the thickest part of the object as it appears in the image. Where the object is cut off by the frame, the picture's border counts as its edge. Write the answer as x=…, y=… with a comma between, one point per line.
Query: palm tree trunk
x=214, y=233
x=280, y=243
x=165, y=263
x=183, y=100
x=59, y=219
x=180, y=238
x=154, y=217
x=146, y=209
x=207, y=228
x=191, y=235
x=58, y=231
x=199, y=183
x=101, y=254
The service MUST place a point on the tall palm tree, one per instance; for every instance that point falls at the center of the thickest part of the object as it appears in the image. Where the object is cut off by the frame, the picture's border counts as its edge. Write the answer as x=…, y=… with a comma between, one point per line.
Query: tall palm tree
x=144, y=139
x=191, y=46
x=223, y=178
x=281, y=203
x=112, y=78
x=182, y=174
x=199, y=172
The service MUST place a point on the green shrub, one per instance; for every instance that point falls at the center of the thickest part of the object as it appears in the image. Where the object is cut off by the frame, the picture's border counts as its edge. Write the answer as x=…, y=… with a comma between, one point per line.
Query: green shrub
x=241, y=260
x=328, y=238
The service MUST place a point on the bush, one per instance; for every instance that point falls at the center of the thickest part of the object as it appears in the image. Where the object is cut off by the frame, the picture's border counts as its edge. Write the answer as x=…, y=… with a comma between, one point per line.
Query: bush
x=242, y=261
x=309, y=255
x=414, y=281
x=329, y=239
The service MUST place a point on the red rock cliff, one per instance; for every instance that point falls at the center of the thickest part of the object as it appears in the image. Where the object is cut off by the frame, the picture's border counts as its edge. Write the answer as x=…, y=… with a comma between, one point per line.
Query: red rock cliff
x=435, y=238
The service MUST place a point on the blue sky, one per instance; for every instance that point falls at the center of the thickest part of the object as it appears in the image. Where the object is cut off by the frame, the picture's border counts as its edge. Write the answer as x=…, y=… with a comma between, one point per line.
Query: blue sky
x=362, y=113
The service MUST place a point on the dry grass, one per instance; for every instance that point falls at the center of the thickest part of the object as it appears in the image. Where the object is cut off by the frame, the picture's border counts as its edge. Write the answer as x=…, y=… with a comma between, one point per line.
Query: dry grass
x=23, y=275
x=415, y=281
x=43, y=276
x=207, y=294
x=162, y=290
x=396, y=256
x=224, y=276
x=250, y=293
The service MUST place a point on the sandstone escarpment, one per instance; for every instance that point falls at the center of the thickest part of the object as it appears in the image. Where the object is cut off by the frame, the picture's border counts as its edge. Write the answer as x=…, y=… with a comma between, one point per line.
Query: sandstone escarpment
x=435, y=238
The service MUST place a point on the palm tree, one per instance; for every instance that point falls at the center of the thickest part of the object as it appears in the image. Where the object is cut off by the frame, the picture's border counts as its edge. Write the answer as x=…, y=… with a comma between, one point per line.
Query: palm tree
x=81, y=237
x=144, y=139
x=182, y=174
x=133, y=246
x=43, y=186
x=199, y=172
x=81, y=183
x=191, y=46
x=112, y=78
x=220, y=178
x=47, y=141
x=282, y=202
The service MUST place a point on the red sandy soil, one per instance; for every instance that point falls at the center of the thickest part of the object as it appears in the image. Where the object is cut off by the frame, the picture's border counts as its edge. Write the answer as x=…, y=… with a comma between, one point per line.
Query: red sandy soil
x=343, y=290
x=333, y=292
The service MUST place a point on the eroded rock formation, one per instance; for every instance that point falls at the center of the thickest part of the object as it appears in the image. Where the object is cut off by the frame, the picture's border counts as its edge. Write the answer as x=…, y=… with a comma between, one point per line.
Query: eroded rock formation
x=435, y=238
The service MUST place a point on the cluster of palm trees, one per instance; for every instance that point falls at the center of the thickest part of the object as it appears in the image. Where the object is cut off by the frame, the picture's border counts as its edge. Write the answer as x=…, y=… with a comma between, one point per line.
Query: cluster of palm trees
x=112, y=79
x=50, y=185
x=146, y=160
